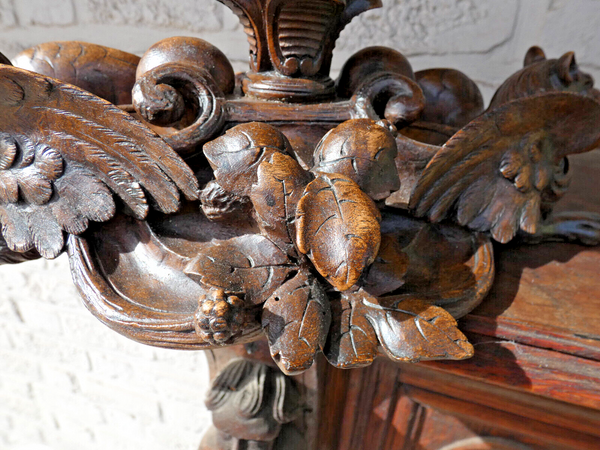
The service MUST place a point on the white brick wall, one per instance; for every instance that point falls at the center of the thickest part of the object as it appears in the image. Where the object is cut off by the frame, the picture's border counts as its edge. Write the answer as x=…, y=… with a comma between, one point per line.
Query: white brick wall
x=68, y=382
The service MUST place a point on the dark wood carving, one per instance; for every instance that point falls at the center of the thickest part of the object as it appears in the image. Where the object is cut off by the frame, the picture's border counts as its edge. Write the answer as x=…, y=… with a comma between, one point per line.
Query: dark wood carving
x=103, y=71
x=544, y=75
x=51, y=170
x=452, y=98
x=543, y=130
x=340, y=221
x=180, y=87
x=250, y=402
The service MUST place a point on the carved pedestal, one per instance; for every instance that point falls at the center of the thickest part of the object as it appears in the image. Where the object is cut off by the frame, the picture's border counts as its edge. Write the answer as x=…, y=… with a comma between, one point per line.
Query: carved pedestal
x=302, y=226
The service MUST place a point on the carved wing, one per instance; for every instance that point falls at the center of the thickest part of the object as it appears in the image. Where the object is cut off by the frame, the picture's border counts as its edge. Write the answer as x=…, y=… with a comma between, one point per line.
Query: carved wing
x=62, y=152
x=493, y=174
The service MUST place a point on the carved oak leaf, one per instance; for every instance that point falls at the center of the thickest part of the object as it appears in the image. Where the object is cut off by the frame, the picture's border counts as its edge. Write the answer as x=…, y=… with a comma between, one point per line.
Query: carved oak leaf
x=364, y=151
x=495, y=172
x=386, y=274
x=62, y=149
x=280, y=185
x=250, y=265
x=352, y=341
x=236, y=156
x=296, y=321
x=337, y=226
x=408, y=330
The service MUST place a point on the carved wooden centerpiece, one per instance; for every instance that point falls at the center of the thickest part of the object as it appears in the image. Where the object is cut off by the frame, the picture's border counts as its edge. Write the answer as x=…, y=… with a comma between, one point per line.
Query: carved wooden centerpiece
x=355, y=217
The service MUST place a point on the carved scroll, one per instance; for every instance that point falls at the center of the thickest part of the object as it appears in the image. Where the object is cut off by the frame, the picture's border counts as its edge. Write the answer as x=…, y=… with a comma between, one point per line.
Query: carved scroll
x=181, y=84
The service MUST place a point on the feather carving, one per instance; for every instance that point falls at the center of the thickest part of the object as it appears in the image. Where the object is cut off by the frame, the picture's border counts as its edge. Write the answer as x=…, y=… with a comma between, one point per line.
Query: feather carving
x=63, y=151
x=493, y=174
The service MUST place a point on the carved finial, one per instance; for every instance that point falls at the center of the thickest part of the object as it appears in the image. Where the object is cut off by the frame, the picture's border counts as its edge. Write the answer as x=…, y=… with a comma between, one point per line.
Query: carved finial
x=294, y=39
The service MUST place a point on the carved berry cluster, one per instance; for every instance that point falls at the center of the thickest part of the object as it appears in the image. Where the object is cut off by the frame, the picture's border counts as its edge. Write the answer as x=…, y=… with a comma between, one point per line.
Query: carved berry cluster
x=220, y=317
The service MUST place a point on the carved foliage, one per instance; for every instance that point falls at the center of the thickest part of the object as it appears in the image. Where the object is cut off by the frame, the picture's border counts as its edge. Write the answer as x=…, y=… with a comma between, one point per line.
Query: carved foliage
x=7, y=256
x=494, y=171
x=407, y=330
x=364, y=151
x=296, y=321
x=280, y=185
x=61, y=146
x=236, y=156
x=298, y=33
x=251, y=265
x=338, y=228
x=295, y=38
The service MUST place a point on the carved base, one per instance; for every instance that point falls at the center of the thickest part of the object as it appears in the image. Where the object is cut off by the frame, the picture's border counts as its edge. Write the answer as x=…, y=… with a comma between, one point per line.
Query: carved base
x=273, y=86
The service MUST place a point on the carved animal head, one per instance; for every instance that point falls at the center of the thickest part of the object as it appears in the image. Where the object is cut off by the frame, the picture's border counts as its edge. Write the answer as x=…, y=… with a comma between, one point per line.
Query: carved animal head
x=544, y=75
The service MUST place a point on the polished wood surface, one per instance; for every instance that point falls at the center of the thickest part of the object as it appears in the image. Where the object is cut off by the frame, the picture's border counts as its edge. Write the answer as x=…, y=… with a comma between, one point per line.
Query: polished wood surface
x=342, y=221
x=534, y=378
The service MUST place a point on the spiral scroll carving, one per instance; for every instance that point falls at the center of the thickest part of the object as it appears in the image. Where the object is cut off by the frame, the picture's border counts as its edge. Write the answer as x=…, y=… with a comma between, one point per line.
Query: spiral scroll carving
x=183, y=97
x=389, y=95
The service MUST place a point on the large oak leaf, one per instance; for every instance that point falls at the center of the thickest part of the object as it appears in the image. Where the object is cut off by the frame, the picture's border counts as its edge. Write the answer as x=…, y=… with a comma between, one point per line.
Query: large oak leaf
x=250, y=265
x=280, y=185
x=236, y=156
x=364, y=151
x=337, y=226
x=408, y=330
x=296, y=321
